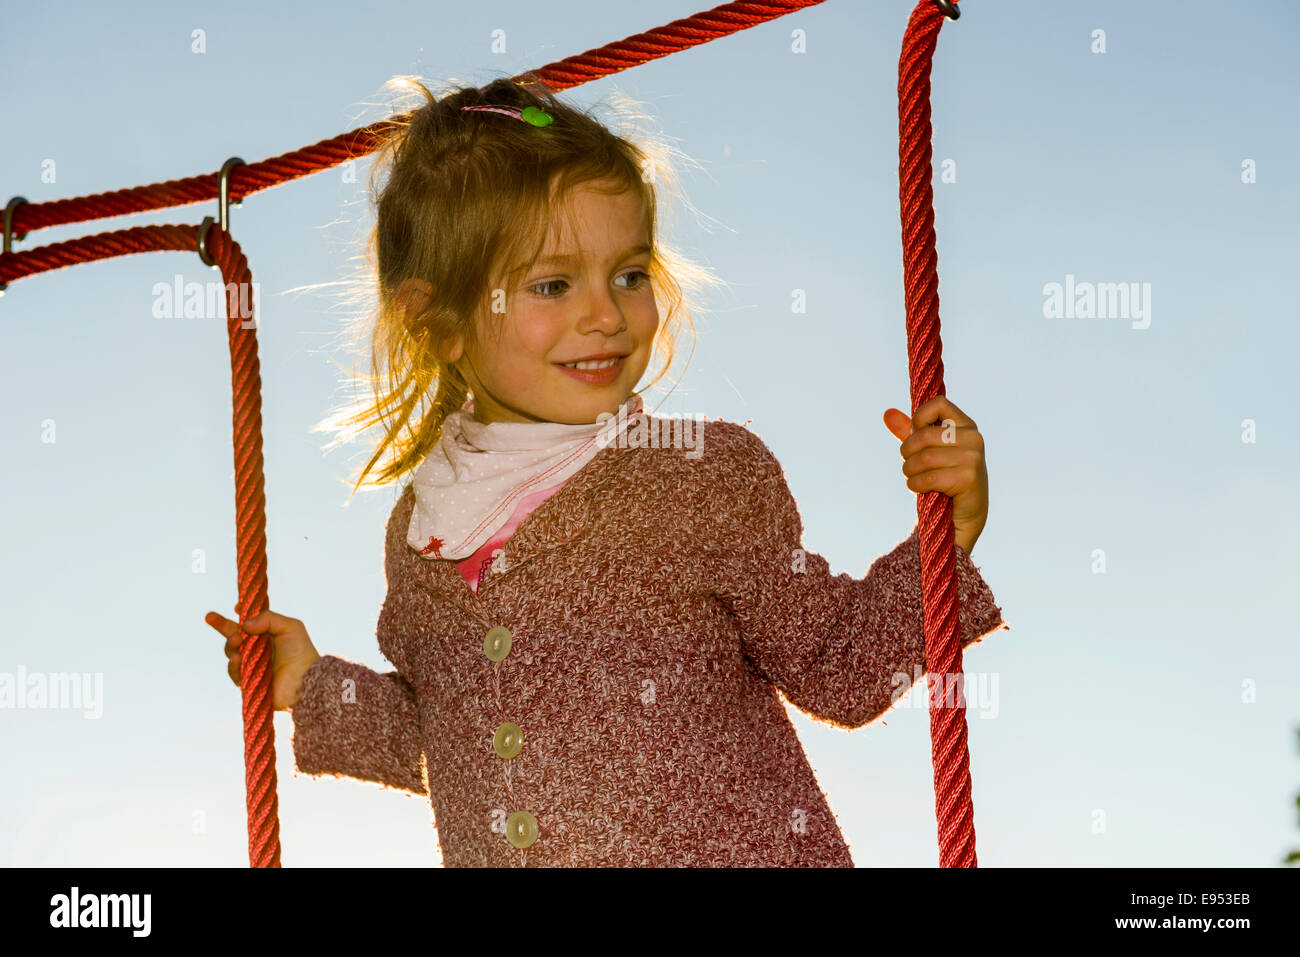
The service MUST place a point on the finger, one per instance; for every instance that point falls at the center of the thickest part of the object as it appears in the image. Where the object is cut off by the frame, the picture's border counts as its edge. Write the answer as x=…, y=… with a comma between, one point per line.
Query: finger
x=950, y=481
x=890, y=418
x=232, y=631
x=903, y=426
x=940, y=457
x=942, y=436
x=940, y=407
x=226, y=627
x=268, y=621
x=257, y=624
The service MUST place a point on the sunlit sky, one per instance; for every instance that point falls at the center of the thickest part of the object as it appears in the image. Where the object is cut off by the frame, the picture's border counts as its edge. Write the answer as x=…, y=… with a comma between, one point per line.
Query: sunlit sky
x=1144, y=714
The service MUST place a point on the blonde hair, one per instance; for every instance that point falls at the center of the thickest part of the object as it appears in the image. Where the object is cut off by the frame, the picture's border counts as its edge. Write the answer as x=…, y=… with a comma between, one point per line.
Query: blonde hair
x=466, y=200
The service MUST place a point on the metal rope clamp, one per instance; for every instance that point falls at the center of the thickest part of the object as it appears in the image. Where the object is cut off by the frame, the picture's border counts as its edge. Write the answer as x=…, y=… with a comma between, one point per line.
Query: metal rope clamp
x=9, y=236
x=948, y=9
x=223, y=209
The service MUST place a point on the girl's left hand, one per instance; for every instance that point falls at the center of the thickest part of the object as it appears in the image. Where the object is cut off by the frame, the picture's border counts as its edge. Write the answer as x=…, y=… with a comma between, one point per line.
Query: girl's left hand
x=947, y=457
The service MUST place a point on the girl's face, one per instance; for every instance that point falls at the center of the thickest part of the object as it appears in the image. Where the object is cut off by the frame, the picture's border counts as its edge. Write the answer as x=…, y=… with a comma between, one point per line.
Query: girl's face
x=586, y=297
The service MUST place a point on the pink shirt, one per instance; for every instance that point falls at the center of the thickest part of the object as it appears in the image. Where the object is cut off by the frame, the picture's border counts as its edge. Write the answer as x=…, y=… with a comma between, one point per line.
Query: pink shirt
x=472, y=569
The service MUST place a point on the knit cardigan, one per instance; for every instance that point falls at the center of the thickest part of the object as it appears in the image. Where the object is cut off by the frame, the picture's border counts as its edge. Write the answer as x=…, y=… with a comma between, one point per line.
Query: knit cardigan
x=610, y=696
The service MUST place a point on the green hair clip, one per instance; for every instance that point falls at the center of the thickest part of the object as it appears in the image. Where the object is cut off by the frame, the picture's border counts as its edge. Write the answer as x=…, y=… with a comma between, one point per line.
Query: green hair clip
x=529, y=114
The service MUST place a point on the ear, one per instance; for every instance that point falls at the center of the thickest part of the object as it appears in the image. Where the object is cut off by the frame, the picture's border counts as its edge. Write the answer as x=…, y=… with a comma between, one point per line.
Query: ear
x=412, y=297
x=450, y=351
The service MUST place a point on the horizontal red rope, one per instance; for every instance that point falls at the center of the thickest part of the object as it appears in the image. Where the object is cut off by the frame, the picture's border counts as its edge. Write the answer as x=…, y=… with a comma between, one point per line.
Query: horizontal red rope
x=254, y=177
x=84, y=249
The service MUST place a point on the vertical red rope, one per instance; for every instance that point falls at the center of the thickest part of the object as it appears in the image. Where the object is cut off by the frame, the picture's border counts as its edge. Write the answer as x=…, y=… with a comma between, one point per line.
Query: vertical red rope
x=250, y=499
x=948, y=746
x=250, y=550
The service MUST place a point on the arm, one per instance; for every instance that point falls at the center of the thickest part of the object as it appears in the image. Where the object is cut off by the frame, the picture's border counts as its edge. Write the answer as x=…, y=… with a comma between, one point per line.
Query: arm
x=832, y=644
x=353, y=722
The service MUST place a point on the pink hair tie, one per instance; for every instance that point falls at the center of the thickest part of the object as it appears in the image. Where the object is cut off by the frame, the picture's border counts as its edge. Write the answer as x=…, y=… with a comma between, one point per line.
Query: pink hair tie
x=529, y=114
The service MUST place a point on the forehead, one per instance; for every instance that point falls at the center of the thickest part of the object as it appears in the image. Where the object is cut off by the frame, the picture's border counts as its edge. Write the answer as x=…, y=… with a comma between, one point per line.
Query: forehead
x=589, y=215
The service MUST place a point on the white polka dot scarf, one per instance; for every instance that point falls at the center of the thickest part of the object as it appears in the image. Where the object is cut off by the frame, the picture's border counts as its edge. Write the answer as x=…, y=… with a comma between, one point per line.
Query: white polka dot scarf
x=472, y=481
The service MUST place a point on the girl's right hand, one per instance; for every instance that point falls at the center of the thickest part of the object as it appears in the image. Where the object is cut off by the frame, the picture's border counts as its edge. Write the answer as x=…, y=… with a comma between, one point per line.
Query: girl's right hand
x=292, y=652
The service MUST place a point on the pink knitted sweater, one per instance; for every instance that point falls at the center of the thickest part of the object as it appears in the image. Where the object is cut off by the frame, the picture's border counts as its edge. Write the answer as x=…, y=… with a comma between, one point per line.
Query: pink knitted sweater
x=472, y=568
x=610, y=697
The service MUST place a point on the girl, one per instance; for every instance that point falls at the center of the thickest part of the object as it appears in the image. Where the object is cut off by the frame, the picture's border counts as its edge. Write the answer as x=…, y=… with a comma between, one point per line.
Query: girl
x=590, y=613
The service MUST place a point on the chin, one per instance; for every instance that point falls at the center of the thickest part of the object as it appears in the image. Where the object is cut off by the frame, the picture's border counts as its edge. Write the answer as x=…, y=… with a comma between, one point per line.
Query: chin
x=591, y=411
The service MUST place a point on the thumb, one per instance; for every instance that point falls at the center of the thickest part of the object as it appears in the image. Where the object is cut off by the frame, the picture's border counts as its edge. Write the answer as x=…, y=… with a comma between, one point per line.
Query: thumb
x=257, y=624
x=271, y=623
x=899, y=423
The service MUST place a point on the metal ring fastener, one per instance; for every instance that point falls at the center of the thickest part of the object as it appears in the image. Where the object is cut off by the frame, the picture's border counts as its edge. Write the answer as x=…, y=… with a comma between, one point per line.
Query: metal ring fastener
x=948, y=9
x=223, y=209
x=9, y=237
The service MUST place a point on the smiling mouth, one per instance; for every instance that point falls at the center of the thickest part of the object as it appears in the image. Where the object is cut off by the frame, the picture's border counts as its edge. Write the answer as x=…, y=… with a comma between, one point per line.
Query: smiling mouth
x=595, y=372
x=589, y=365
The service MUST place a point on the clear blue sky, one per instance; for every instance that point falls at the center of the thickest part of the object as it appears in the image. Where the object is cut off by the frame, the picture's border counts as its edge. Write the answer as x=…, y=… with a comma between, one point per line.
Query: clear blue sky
x=1159, y=698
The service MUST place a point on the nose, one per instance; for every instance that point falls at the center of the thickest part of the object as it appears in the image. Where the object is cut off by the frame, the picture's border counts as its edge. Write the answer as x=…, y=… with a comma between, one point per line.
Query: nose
x=601, y=312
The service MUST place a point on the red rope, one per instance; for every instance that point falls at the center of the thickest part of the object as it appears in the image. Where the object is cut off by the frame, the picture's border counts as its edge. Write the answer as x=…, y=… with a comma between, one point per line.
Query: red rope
x=948, y=746
x=250, y=549
x=254, y=177
x=938, y=560
x=250, y=498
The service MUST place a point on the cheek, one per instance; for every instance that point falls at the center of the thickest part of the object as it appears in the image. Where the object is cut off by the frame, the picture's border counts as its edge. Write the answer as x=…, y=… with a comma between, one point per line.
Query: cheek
x=645, y=320
x=531, y=334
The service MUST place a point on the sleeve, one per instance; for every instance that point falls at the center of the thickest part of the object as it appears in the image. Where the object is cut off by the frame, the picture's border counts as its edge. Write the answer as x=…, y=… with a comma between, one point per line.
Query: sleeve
x=841, y=649
x=353, y=722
